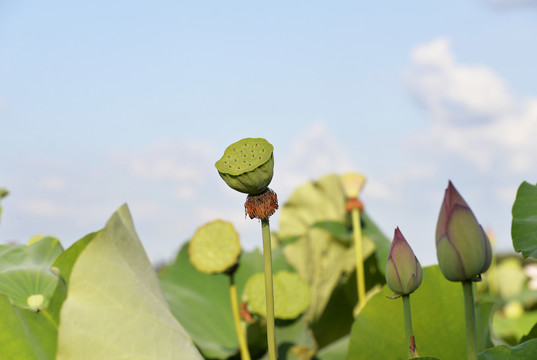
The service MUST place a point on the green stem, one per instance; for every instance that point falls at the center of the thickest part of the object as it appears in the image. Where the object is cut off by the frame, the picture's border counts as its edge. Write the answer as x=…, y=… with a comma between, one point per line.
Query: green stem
x=357, y=232
x=469, y=310
x=243, y=346
x=269, y=294
x=49, y=317
x=409, y=333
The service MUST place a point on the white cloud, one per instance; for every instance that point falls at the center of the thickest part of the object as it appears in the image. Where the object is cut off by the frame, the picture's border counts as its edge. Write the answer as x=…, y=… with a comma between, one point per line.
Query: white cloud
x=512, y=3
x=314, y=153
x=53, y=183
x=455, y=93
x=184, y=192
x=474, y=114
x=169, y=160
x=481, y=135
x=379, y=190
x=41, y=207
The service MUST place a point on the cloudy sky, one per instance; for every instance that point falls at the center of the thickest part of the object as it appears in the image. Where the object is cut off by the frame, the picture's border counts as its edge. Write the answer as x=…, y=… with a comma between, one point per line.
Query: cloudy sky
x=103, y=103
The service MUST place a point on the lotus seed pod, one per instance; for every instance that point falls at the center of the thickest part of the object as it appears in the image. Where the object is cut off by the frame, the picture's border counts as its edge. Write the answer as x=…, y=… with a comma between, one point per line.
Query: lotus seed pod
x=215, y=247
x=352, y=184
x=291, y=295
x=403, y=270
x=462, y=246
x=247, y=165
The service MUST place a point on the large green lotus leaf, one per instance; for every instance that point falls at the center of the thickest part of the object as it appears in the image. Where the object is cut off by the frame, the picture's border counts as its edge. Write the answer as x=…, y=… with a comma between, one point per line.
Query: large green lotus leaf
x=316, y=233
x=322, y=261
x=484, y=313
x=62, y=266
x=321, y=203
x=532, y=334
x=524, y=224
x=437, y=319
x=291, y=295
x=25, y=275
x=201, y=302
x=25, y=334
x=293, y=340
x=312, y=202
x=65, y=262
x=41, y=252
x=115, y=308
x=335, y=351
x=513, y=328
x=338, y=351
x=525, y=351
x=337, y=317
x=26, y=284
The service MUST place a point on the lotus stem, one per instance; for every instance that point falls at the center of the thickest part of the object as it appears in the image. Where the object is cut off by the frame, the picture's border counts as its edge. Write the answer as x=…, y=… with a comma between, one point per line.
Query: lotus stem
x=243, y=346
x=49, y=317
x=469, y=309
x=269, y=292
x=410, y=341
x=357, y=233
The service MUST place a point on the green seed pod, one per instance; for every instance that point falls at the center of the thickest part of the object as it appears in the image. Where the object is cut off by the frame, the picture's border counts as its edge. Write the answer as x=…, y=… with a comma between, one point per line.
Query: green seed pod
x=247, y=165
x=291, y=295
x=403, y=270
x=462, y=246
x=215, y=247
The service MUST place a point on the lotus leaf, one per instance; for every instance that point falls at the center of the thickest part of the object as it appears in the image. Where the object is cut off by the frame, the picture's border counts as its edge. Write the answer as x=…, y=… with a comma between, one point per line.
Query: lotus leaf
x=115, y=307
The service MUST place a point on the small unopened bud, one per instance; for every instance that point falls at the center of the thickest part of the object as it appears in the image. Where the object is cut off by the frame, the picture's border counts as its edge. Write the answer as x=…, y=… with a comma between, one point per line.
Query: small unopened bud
x=462, y=246
x=403, y=270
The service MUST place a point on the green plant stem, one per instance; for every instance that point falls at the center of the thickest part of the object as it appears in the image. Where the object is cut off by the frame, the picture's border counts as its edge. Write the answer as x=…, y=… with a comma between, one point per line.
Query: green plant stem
x=357, y=232
x=269, y=293
x=243, y=346
x=409, y=333
x=49, y=317
x=469, y=310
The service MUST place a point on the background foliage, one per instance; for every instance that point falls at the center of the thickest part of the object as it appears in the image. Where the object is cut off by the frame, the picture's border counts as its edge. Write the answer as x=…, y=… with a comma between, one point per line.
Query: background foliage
x=101, y=297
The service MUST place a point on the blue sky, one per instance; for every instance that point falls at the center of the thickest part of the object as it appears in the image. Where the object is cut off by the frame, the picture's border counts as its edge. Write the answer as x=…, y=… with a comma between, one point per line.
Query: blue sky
x=103, y=103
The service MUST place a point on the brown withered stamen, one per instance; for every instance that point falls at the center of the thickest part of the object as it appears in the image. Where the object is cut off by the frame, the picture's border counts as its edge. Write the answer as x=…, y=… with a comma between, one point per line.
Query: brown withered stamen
x=354, y=203
x=245, y=314
x=261, y=206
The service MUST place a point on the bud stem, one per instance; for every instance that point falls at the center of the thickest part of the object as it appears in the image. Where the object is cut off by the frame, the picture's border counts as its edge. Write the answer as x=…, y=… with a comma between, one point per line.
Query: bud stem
x=269, y=294
x=357, y=232
x=409, y=333
x=469, y=310
x=243, y=346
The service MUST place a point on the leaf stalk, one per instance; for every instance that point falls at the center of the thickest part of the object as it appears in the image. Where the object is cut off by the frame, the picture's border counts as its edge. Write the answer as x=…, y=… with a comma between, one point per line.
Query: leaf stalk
x=243, y=346
x=269, y=292
x=469, y=310
x=357, y=234
x=409, y=333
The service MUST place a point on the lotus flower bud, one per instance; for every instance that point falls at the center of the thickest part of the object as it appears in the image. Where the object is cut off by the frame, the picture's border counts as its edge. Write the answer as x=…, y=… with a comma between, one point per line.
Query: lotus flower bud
x=403, y=270
x=462, y=246
x=247, y=165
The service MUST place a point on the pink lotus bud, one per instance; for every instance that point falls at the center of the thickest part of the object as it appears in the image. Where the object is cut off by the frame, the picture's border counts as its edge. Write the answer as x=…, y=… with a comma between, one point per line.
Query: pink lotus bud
x=403, y=270
x=462, y=246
